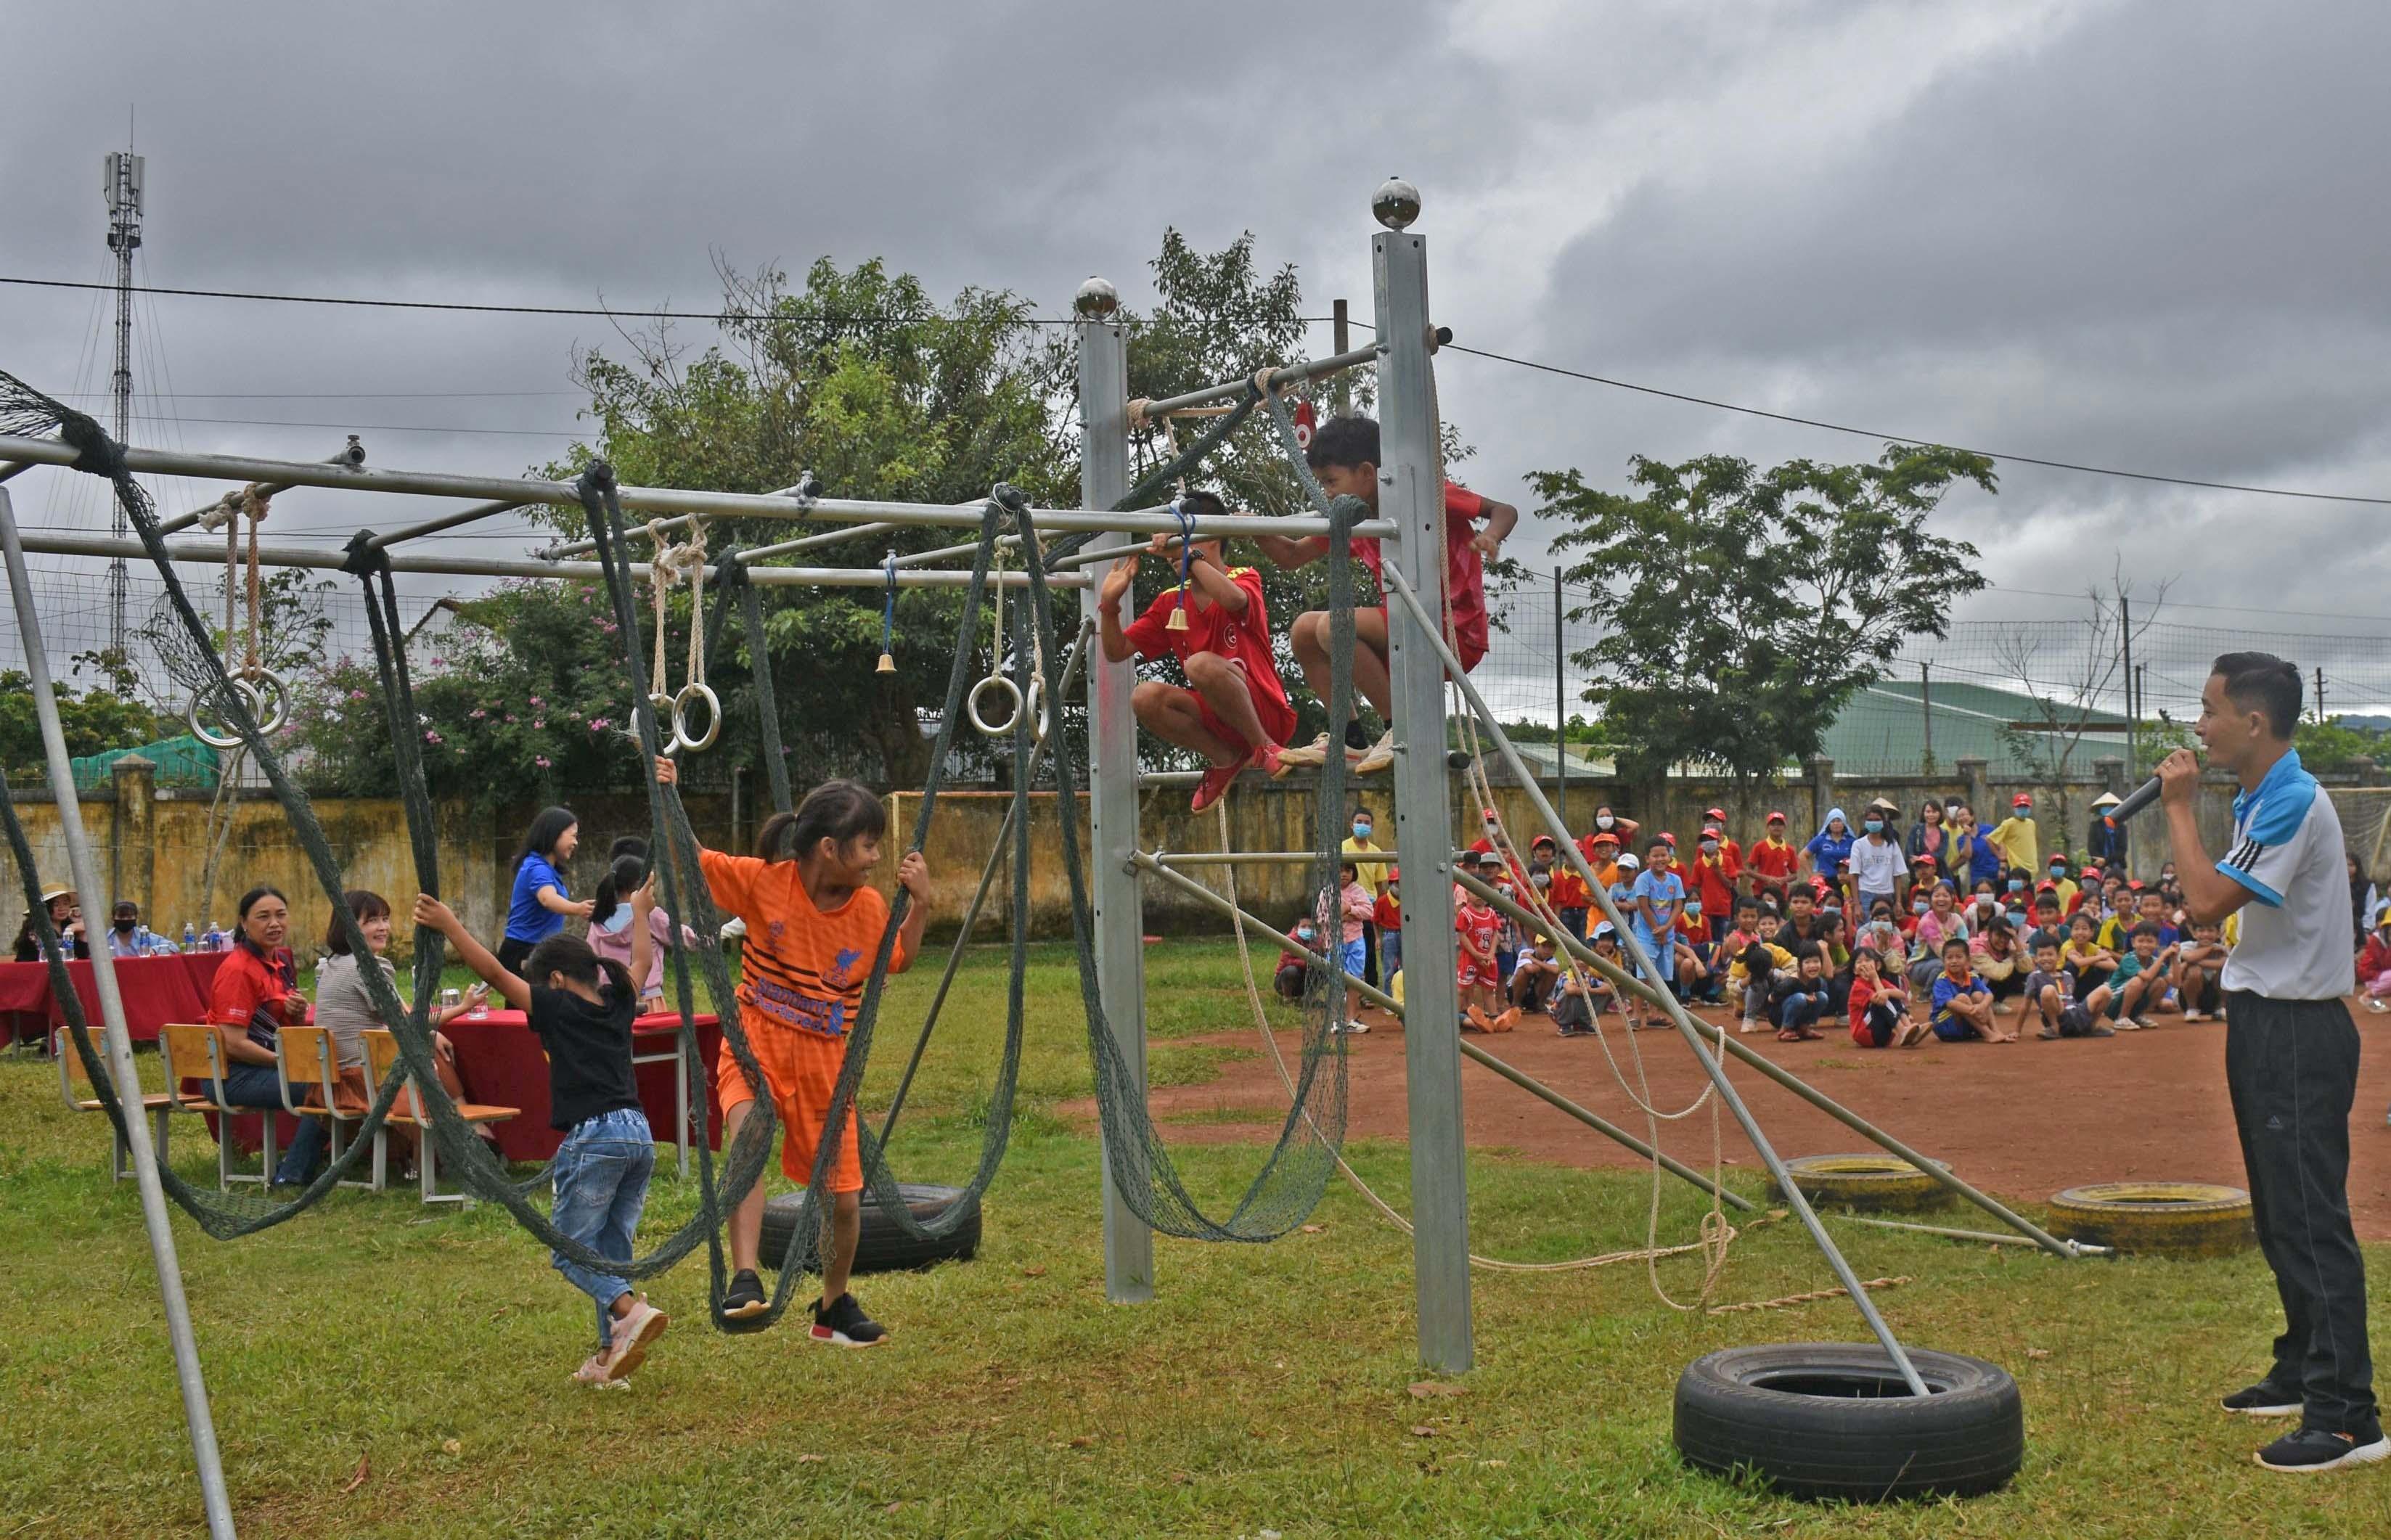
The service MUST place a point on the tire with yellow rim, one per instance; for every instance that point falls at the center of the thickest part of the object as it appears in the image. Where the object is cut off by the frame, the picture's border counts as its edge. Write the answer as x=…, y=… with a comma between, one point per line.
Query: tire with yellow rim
x=2165, y=1218
x=1873, y=1181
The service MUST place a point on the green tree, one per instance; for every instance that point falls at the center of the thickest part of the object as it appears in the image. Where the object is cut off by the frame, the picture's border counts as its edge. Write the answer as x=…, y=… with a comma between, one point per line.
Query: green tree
x=1741, y=608
x=93, y=722
x=2334, y=744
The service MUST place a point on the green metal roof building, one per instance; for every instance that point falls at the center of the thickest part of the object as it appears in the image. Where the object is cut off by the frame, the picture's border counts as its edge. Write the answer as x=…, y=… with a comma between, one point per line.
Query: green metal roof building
x=1887, y=728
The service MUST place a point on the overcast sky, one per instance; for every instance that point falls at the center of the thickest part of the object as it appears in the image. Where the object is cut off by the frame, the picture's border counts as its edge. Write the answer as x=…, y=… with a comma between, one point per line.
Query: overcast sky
x=2141, y=235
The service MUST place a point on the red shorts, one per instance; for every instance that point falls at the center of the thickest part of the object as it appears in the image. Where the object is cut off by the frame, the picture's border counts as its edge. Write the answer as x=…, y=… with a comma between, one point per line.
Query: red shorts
x=801, y=1068
x=1471, y=974
x=1471, y=646
x=1277, y=717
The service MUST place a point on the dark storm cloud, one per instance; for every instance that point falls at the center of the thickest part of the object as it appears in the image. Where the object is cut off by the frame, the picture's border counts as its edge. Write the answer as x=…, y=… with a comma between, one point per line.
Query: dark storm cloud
x=2141, y=233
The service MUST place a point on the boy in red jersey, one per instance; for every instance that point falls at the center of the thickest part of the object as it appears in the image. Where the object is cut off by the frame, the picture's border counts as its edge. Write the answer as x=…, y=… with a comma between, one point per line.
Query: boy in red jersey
x=1344, y=456
x=1235, y=710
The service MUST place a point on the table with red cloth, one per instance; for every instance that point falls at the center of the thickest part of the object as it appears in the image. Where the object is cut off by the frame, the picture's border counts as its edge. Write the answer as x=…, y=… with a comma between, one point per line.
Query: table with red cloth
x=155, y=989
x=501, y=1063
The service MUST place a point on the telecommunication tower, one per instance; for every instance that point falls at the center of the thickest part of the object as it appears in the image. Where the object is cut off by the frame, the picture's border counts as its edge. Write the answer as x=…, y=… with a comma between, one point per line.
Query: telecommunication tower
x=124, y=189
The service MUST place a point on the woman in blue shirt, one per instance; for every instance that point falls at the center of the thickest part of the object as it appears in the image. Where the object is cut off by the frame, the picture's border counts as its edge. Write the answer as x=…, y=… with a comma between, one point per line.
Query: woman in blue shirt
x=1830, y=849
x=537, y=908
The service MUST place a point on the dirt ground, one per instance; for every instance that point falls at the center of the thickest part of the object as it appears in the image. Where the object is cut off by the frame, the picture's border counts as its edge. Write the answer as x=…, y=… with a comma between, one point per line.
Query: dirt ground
x=2020, y=1121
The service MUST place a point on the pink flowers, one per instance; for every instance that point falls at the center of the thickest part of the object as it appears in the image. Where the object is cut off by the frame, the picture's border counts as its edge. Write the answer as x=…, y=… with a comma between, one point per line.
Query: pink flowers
x=356, y=694
x=540, y=759
x=612, y=628
x=431, y=736
x=476, y=715
x=537, y=702
x=600, y=724
x=539, y=721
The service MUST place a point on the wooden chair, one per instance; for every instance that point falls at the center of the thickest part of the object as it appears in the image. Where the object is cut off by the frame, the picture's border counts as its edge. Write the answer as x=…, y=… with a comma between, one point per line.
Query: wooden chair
x=195, y=1051
x=381, y=1056
x=306, y=1059
x=75, y=1087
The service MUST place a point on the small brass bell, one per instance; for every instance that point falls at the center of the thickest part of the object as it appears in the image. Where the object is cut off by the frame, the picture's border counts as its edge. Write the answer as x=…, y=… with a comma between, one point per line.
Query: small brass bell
x=888, y=664
x=1178, y=621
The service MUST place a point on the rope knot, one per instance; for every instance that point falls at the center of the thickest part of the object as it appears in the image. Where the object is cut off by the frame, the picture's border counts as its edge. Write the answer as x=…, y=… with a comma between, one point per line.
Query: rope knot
x=96, y=453
x=364, y=558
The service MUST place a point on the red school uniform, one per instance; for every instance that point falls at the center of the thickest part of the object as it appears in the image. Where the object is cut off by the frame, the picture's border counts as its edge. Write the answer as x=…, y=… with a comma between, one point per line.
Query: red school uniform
x=1713, y=883
x=1774, y=859
x=1569, y=889
x=1388, y=912
x=1477, y=926
x=1243, y=639
x=1466, y=583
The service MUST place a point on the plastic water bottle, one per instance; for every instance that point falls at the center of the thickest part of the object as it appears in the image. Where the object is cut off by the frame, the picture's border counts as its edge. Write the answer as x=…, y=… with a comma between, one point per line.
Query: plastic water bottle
x=190, y=939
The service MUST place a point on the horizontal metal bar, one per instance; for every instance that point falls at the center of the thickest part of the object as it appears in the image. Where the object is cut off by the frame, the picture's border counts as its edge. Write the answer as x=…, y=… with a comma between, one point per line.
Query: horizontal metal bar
x=349, y=457
x=806, y=542
x=2076, y=1248
x=1239, y=858
x=9, y=473
x=583, y=547
x=1293, y=374
x=481, y=567
x=923, y=558
x=446, y=521
x=1104, y=553
x=652, y=499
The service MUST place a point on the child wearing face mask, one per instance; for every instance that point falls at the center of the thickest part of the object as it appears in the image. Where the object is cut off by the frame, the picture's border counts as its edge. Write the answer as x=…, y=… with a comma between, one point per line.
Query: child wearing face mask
x=1360, y=846
x=1287, y=980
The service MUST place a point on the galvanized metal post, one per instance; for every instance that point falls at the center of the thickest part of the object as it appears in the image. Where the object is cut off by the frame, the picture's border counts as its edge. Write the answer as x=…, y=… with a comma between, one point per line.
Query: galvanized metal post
x=118, y=1048
x=1112, y=770
x=1411, y=493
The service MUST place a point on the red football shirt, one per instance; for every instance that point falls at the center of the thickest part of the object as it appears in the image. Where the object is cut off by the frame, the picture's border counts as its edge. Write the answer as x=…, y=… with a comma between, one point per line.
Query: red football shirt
x=1774, y=859
x=1216, y=629
x=1467, y=583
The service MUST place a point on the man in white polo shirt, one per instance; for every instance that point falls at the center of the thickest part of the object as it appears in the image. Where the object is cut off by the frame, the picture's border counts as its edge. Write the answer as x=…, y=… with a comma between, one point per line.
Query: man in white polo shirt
x=2290, y=1050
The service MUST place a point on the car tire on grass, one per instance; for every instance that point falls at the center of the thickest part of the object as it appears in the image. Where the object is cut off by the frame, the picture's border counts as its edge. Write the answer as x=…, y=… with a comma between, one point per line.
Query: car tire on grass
x=1873, y=1181
x=882, y=1245
x=1834, y=1419
x=2165, y=1218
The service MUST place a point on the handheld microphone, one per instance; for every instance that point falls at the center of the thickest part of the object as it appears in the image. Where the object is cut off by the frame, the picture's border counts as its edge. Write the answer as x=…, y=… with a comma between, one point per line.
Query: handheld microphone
x=2144, y=795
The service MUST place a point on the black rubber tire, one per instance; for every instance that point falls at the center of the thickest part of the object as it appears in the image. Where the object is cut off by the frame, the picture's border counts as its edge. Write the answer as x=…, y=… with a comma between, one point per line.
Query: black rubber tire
x=883, y=1247
x=1833, y=1419
x=1872, y=1181
x=2157, y=1219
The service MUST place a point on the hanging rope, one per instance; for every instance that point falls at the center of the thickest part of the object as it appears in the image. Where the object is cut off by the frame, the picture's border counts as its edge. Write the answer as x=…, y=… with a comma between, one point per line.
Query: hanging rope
x=888, y=618
x=261, y=689
x=670, y=564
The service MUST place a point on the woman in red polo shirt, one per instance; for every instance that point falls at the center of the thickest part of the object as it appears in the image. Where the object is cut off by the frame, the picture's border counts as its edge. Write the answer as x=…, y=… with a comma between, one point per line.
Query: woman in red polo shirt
x=256, y=992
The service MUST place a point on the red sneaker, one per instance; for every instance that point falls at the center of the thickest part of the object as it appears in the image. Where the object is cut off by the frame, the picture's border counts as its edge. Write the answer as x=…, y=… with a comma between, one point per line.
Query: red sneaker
x=1265, y=760
x=1214, y=786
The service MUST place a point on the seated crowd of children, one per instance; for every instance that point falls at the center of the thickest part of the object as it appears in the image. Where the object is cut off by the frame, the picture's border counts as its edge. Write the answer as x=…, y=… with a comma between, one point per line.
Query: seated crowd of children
x=1952, y=943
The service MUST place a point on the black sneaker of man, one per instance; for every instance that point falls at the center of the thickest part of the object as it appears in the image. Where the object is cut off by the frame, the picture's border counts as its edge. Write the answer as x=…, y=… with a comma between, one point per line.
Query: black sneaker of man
x=745, y=1299
x=2266, y=1399
x=1356, y=735
x=843, y=1323
x=2314, y=1449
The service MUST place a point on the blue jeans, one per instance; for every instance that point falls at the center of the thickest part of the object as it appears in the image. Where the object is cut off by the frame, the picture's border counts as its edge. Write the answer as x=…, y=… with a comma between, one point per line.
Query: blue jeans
x=257, y=1086
x=1390, y=956
x=1801, y=1010
x=602, y=1174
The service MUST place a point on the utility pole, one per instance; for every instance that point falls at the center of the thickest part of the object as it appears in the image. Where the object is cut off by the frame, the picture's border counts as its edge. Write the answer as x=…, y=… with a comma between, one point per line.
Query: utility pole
x=122, y=187
x=1926, y=710
x=1560, y=701
x=1341, y=340
x=2133, y=717
x=2319, y=677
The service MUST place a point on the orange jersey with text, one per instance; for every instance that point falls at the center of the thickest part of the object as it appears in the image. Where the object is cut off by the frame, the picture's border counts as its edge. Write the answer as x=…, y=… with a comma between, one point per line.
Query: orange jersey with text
x=799, y=968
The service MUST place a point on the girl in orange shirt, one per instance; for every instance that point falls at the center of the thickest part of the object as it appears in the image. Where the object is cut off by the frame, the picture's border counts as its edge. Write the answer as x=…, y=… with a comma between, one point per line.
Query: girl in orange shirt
x=814, y=923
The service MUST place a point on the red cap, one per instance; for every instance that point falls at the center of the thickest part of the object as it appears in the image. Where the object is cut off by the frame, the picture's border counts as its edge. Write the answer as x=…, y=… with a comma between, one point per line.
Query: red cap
x=1541, y=839
x=1668, y=839
x=1394, y=874
x=2021, y=800
x=1488, y=812
x=1922, y=860
x=1603, y=837
x=1715, y=816
x=1776, y=818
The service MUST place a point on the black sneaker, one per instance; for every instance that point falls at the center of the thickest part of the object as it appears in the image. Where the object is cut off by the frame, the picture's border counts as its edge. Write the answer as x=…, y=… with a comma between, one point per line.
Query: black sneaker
x=2266, y=1399
x=843, y=1323
x=2315, y=1449
x=745, y=1298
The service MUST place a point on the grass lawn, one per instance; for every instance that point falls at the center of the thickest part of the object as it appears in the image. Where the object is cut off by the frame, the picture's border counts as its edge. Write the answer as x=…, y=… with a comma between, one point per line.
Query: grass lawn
x=376, y=1371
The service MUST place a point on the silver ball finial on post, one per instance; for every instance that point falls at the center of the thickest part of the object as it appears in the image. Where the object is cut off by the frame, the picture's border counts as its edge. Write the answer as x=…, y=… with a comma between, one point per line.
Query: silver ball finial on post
x=1096, y=298
x=1396, y=203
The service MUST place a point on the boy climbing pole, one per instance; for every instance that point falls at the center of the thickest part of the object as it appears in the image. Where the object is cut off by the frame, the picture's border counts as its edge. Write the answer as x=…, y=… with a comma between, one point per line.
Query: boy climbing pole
x=1344, y=456
x=1235, y=710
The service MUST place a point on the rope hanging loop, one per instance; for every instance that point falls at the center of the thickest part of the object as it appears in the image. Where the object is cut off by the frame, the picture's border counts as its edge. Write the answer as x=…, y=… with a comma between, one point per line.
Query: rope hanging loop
x=670, y=564
x=263, y=694
x=888, y=619
x=1178, y=621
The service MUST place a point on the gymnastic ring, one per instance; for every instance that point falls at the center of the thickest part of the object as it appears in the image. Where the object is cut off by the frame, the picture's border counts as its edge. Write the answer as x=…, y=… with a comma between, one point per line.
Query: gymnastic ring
x=700, y=690
x=269, y=700
x=219, y=738
x=1038, y=717
x=1011, y=689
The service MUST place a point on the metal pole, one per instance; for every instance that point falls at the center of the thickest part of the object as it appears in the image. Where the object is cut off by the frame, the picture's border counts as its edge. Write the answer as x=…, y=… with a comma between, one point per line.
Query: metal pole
x=127, y=1078
x=1293, y=374
x=654, y=499
x=1476, y=1054
x=1410, y=493
x=2076, y=1248
x=1112, y=772
x=1676, y=1012
x=2319, y=681
x=487, y=566
x=352, y=454
x=802, y=489
x=1560, y=701
x=2126, y=641
x=446, y=521
x=1791, y=1082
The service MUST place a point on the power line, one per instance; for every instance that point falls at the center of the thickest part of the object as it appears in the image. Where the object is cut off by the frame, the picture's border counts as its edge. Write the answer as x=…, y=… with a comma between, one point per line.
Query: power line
x=360, y=427
x=335, y=395
x=600, y=313
x=2186, y=604
x=1911, y=438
